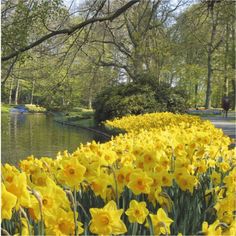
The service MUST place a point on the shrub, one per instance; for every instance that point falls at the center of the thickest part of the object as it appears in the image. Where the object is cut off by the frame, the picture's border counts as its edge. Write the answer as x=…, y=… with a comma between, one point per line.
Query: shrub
x=138, y=98
x=123, y=100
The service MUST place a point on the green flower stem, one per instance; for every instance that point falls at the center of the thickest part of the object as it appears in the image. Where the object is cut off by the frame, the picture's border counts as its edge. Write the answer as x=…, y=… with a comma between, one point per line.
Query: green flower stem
x=84, y=211
x=134, y=228
x=72, y=198
x=37, y=196
x=27, y=220
x=74, y=211
x=116, y=186
x=149, y=220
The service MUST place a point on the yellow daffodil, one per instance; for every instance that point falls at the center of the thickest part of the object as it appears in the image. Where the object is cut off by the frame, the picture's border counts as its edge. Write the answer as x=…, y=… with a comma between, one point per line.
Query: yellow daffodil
x=156, y=178
x=140, y=182
x=8, y=202
x=62, y=223
x=137, y=212
x=231, y=230
x=166, y=178
x=122, y=176
x=211, y=230
x=109, y=157
x=158, y=151
x=163, y=199
x=149, y=159
x=186, y=182
x=9, y=172
x=161, y=222
x=225, y=207
x=230, y=181
x=18, y=187
x=52, y=198
x=71, y=173
x=106, y=221
x=100, y=183
x=216, y=178
x=224, y=166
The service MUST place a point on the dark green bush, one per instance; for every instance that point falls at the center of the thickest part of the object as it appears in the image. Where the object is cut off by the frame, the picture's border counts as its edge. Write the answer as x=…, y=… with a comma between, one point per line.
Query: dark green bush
x=137, y=98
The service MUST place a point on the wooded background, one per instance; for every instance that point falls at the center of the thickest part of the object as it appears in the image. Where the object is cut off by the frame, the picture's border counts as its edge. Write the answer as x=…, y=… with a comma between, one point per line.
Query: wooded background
x=59, y=54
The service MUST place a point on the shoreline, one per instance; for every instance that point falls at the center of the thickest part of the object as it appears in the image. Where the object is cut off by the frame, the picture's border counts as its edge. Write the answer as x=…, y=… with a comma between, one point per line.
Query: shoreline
x=84, y=127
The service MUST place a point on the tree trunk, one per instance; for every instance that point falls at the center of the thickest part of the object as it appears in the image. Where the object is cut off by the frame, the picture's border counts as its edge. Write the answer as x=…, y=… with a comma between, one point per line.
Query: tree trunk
x=209, y=79
x=32, y=92
x=90, y=94
x=233, y=66
x=210, y=50
x=137, y=65
x=10, y=92
x=63, y=101
x=17, y=91
x=196, y=95
x=234, y=90
x=226, y=79
x=90, y=103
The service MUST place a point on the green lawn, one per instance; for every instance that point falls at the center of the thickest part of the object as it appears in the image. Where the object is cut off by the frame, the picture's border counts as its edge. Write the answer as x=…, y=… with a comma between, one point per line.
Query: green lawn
x=79, y=116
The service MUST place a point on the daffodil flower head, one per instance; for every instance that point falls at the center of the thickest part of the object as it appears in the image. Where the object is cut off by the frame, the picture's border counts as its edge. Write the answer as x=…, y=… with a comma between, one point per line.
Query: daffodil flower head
x=106, y=221
x=161, y=222
x=18, y=187
x=71, y=173
x=8, y=202
x=140, y=182
x=211, y=230
x=62, y=223
x=137, y=212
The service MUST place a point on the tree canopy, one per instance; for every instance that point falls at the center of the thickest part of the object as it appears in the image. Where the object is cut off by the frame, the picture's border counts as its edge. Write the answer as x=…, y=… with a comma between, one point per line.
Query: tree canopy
x=62, y=54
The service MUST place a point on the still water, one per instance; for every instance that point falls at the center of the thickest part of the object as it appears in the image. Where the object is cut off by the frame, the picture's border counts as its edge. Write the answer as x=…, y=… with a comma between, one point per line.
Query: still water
x=37, y=134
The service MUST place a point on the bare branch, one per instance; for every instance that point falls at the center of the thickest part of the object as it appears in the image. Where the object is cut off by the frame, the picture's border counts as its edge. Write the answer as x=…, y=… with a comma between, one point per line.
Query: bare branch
x=72, y=29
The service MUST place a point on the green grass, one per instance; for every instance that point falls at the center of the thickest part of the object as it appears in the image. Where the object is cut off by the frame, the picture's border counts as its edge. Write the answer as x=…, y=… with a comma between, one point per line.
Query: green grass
x=78, y=116
x=5, y=108
x=85, y=123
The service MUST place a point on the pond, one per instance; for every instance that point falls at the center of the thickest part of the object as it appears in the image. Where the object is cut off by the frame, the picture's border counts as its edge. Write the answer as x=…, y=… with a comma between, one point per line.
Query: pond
x=37, y=134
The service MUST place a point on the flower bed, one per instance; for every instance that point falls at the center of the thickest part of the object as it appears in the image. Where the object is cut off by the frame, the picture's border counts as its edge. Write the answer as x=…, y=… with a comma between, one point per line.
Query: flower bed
x=169, y=174
x=35, y=108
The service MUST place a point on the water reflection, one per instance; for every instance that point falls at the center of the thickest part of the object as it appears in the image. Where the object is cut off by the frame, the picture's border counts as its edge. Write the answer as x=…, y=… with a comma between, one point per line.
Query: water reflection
x=37, y=134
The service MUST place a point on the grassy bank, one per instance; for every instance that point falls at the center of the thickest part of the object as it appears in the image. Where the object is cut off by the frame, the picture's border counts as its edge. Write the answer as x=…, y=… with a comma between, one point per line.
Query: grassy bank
x=84, y=118
x=32, y=108
x=5, y=108
x=80, y=116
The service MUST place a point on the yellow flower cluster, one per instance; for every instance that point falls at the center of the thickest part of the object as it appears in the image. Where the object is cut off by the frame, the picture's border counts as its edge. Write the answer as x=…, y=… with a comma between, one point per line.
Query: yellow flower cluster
x=164, y=160
x=162, y=121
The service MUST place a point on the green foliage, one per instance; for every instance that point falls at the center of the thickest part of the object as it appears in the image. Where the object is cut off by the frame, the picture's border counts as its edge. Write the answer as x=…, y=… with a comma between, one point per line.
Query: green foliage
x=171, y=98
x=174, y=52
x=138, y=98
x=81, y=114
x=5, y=108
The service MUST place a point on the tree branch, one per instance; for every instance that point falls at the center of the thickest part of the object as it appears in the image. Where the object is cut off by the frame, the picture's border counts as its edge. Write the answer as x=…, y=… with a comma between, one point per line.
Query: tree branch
x=72, y=29
x=110, y=64
x=9, y=71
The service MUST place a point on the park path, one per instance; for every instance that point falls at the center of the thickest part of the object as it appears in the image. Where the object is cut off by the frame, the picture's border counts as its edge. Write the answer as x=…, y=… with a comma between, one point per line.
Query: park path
x=226, y=124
